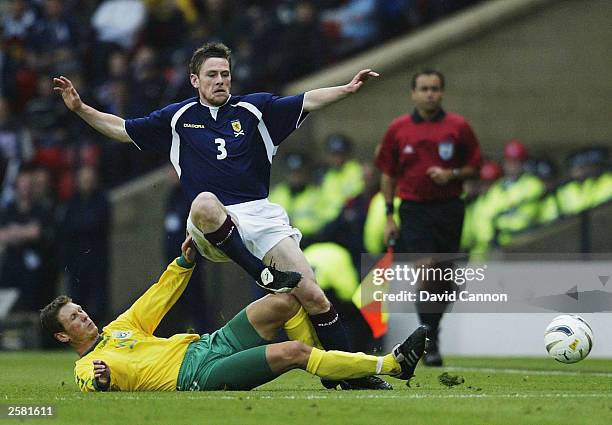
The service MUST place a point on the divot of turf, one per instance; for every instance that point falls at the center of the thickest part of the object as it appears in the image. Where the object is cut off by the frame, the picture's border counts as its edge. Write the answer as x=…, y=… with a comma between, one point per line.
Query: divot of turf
x=450, y=380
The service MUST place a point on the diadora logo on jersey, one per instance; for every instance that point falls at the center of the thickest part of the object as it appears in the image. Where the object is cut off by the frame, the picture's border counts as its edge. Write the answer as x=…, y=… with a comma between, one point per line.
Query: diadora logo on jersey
x=408, y=149
x=122, y=334
x=237, y=127
x=189, y=125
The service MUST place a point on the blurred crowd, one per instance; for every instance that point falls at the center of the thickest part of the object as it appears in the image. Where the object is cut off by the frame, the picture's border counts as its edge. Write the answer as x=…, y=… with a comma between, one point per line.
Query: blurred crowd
x=129, y=57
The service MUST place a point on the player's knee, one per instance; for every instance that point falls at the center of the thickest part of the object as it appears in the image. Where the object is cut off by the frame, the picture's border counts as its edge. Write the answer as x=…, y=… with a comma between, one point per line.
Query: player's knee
x=285, y=305
x=294, y=352
x=313, y=298
x=207, y=209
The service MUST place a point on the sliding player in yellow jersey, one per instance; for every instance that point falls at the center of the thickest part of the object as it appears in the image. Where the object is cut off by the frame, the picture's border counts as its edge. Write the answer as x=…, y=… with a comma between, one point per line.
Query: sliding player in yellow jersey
x=126, y=356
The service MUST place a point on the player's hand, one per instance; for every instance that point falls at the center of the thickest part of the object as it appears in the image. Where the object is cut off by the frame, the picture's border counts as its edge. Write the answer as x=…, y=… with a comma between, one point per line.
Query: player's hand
x=188, y=249
x=71, y=97
x=358, y=80
x=102, y=373
x=391, y=230
x=439, y=175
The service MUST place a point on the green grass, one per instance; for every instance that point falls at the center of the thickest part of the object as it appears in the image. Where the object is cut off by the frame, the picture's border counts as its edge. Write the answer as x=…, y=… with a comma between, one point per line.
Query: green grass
x=496, y=391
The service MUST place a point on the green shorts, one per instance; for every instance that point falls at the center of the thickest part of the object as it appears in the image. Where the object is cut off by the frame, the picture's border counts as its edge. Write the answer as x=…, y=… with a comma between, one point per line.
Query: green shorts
x=231, y=358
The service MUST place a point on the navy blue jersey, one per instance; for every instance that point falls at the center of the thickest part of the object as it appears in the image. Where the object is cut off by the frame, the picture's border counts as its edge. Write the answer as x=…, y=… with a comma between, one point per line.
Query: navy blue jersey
x=225, y=150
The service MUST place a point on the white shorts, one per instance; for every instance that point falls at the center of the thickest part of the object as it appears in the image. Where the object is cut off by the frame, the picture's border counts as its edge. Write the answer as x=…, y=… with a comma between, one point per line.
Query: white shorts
x=261, y=225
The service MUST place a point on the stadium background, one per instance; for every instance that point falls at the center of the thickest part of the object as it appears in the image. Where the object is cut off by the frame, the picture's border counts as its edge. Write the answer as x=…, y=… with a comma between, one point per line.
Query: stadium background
x=535, y=70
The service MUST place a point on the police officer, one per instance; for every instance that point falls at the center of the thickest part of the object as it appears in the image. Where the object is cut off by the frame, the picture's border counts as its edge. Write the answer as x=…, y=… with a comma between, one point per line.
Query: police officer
x=478, y=208
x=515, y=200
x=343, y=179
x=425, y=156
x=300, y=198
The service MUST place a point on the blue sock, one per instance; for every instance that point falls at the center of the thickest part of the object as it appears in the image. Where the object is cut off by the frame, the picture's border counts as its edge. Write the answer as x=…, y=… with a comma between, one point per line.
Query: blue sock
x=228, y=240
x=330, y=330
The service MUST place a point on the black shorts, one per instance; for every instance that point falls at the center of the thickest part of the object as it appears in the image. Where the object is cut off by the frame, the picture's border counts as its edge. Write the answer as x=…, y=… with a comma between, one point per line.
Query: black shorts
x=429, y=227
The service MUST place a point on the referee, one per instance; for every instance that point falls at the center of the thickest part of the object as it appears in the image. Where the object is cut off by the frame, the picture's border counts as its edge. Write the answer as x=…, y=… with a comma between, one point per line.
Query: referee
x=425, y=156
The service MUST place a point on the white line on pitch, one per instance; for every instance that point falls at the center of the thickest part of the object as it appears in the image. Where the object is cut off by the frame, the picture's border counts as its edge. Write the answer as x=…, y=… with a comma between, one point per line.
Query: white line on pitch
x=214, y=395
x=399, y=396
x=528, y=371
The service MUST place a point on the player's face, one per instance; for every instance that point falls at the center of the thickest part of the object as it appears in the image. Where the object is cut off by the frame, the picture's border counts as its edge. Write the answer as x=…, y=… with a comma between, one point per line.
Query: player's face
x=213, y=82
x=76, y=322
x=428, y=93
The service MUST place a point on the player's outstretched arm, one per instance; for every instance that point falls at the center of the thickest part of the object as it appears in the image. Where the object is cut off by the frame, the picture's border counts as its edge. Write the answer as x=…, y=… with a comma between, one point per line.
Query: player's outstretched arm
x=319, y=98
x=109, y=125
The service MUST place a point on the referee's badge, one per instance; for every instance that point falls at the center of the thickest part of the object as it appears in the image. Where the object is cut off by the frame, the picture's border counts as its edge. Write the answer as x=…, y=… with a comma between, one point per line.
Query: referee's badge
x=446, y=150
x=237, y=127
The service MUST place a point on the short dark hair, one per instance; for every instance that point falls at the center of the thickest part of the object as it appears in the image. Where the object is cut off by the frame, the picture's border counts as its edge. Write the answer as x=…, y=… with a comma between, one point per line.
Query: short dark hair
x=48, y=315
x=209, y=50
x=427, y=72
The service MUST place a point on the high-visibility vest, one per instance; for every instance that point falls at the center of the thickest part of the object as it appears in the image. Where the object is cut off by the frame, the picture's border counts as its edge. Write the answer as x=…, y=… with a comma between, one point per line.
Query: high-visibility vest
x=376, y=220
x=506, y=194
x=504, y=197
x=602, y=189
x=574, y=197
x=304, y=208
x=334, y=269
x=478, y=223
x=340, y=185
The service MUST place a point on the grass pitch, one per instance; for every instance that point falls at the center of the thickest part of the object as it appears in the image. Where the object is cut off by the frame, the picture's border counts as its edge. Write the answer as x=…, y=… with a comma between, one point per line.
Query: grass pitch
x=495, y=391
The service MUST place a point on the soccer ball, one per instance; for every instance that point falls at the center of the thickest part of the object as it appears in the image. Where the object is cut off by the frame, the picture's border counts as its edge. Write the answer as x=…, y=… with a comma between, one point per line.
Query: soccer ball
x=568, y=338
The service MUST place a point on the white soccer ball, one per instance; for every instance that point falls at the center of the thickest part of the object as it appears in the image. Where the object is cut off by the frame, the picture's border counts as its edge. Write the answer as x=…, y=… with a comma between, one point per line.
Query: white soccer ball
x=568, y=338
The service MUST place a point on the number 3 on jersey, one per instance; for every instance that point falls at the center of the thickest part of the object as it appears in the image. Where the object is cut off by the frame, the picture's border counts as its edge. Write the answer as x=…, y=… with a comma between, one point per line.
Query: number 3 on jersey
x=221, y=146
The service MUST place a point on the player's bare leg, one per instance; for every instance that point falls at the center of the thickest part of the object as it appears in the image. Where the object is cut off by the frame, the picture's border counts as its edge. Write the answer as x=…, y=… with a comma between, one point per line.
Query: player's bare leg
x=330, y=331
x=270, y=313
x=212, y=219
x=287, y=255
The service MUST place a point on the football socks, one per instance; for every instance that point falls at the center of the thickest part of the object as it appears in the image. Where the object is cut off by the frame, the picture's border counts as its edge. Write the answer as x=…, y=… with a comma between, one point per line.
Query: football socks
x=299, y=328
x=337, y=365
x=228, y=240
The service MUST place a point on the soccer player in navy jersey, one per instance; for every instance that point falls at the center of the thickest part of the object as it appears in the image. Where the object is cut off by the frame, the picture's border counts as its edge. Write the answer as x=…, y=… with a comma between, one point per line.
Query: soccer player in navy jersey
x=221, y=147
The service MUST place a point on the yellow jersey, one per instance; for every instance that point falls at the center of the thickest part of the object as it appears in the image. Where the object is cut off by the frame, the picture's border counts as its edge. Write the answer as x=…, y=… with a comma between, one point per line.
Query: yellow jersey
x=138, y=360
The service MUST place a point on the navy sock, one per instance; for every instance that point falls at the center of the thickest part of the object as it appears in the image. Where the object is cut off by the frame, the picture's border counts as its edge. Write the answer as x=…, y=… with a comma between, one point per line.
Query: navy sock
x=228, y=240
x=330, y=331
x=432, y=320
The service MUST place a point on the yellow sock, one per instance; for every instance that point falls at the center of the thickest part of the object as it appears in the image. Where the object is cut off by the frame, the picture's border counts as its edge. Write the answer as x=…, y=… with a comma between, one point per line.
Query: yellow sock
x=341, y=365
x=299, y=328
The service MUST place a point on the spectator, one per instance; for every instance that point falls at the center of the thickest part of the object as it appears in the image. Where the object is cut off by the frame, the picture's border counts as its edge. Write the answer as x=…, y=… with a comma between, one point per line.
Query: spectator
x=344, y=178
x=118, y=22
x=22, y=227
x=304, y=31
x=300, y=198
x=85, y=225
x=147, y=80
x=53, y=34
x=18, y=21
x=348, y=228
x=514, y=201
x=473, y=238
x=357, y=24
x=15, y=149
x=42, y=112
